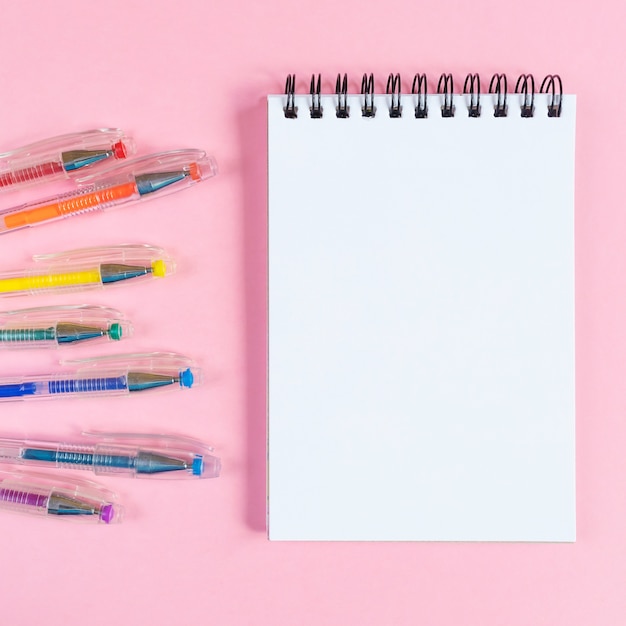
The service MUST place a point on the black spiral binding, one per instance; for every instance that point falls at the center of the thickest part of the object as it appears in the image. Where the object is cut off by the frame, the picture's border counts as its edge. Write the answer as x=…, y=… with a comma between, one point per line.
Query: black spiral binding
x=472, y=87
x=290, y=109
x=341, y=89
x=394, y=88
x=554, y=103
x=446, y=88
x=367, y=91
x=316, y=97
x=421, y=107
x=498, y=86
x=527, y=108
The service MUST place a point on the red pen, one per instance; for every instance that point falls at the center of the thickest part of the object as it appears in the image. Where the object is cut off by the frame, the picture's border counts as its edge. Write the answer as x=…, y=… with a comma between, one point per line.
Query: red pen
x=64, y=156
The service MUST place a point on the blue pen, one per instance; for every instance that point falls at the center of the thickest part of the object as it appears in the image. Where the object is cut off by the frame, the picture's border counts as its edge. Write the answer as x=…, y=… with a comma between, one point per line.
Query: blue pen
x=106, y=376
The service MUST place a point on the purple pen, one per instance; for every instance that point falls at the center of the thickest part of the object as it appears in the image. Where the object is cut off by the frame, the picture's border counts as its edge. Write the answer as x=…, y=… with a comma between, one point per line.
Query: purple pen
x=39, y=495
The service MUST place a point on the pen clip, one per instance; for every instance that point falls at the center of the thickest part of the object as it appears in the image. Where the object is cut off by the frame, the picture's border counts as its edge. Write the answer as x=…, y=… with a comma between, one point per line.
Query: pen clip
x=150, y=439
x=140, y=360
x=196, y=162
x=119, y=253
x=67, y=142
x=60, y=481
x=62, y=312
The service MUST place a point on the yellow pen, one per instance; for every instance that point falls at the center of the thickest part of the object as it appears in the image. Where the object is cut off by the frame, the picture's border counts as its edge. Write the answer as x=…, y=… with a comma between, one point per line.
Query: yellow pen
x=88, y=268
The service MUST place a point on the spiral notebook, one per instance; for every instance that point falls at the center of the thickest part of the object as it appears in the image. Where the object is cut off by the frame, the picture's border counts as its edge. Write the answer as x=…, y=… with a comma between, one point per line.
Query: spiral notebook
x=421, y=312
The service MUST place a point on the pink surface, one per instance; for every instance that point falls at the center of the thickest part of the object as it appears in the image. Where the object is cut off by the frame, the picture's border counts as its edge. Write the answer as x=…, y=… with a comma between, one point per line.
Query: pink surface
x=195, y=74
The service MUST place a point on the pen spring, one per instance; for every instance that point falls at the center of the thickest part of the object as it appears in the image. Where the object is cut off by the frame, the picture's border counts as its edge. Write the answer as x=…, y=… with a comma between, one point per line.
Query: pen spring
x=27, y=335
x=72, y=203
x=87, y=385
x=50, y=281
x=102, y=459
x=28, y=174
x=17, y=499
x=91, y=199
x=73, y=457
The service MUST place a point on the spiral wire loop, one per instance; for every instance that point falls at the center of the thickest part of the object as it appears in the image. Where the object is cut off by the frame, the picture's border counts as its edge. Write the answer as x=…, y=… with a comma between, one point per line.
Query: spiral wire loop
x=316, y=109
x=394, y=88
x=445, y=87
x=420, y=89
x=499, y=87
x=527, y=107
x=472, y=87
x=367, y=91
x=341, y=89
x=290, y=109
x=555, y=100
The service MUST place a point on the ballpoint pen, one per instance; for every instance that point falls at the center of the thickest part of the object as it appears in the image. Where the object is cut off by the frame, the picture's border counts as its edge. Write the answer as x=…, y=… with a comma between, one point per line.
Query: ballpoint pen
x=53, y=326
x=124, y=454
x=146, y=177
x=114, y=375
x=64, y=156
x=87, y=268
x=41, y=495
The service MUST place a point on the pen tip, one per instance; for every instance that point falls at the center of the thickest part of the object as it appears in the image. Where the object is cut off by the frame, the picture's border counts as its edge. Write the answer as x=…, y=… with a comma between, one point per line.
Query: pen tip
x=186, y=378
x=159, y=268
x=115, y=331
x=197, y=465
x=119, y=150
x=194, y=171
x=107, y=513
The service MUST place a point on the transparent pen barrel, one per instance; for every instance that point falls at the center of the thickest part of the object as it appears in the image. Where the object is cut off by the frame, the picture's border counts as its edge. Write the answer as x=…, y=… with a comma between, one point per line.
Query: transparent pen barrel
x=92, y=198
x=58, y=386
x=34, y=283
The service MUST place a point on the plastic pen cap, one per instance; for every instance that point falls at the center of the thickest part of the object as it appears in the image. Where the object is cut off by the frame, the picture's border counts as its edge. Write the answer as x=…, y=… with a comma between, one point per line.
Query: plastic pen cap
x=162, y=173
x=177, y=366
x=196, y=458
x=151, y=256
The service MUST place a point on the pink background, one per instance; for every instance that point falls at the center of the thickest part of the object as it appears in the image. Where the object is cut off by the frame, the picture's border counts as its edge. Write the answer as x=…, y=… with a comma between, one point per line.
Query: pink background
x=195, y=74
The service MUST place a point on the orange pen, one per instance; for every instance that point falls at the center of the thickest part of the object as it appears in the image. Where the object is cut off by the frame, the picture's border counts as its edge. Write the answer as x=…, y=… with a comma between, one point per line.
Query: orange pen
x=134, y=180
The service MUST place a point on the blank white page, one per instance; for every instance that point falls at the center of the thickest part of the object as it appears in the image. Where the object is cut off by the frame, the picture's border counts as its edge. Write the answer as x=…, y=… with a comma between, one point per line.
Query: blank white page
x=421, y=324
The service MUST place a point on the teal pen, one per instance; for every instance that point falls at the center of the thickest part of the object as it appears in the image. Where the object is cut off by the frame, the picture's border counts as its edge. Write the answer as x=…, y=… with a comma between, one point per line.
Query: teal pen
x=120, y=454
x=55, y=326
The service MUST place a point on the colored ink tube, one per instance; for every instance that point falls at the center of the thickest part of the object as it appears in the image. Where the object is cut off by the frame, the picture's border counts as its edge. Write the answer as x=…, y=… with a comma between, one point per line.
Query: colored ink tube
x=118, y=454
x=116, y=375
x=88, y=268
x=48, y=496
x=54, y=326
x=146, y=177
x=65, y=156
